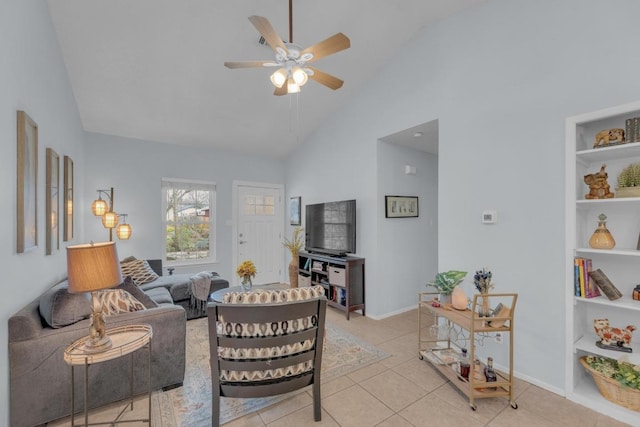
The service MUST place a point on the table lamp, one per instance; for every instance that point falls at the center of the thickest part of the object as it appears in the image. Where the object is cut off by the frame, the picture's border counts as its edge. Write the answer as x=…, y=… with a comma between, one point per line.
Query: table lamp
x=92, y=267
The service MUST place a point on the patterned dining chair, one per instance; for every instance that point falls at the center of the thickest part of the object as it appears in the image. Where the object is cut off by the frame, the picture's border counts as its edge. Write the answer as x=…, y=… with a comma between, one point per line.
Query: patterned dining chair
x=266, y=343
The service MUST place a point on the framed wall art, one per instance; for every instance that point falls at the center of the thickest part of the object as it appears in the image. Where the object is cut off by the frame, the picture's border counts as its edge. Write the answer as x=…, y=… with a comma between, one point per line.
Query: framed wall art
x=400, y=206
x=294, y=211
x=67, y=230
x=27, y=197
x=53, y=201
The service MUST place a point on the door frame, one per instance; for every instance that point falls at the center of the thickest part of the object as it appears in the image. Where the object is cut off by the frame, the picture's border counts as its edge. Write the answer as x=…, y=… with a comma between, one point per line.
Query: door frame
x=235, y=214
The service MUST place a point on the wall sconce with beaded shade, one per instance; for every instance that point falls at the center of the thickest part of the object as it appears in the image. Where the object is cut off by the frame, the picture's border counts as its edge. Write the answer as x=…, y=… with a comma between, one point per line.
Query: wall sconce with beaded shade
x=99, y=207
x=110, y=219
x=123, y=231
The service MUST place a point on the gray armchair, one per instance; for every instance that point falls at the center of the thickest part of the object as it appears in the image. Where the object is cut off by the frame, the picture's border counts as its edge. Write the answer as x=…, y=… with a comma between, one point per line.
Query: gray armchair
x=262, y=349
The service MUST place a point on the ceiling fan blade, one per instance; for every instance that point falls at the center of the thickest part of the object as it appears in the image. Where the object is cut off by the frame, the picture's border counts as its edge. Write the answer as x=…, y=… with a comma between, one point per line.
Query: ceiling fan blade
x=266, y=30
x=280, y=90
x=333, y=44
x=250, y=64
x=325, y=79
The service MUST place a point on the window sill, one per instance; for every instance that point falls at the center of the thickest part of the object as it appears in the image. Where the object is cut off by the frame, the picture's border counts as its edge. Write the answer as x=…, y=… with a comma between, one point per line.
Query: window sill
x=189, y=264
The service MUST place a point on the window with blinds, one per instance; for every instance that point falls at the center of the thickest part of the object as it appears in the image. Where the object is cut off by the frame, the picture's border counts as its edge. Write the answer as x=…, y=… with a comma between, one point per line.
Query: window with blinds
x=188, y=212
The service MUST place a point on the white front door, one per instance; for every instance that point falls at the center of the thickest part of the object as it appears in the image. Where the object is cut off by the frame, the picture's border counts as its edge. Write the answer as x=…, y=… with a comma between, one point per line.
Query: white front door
x=259, y=230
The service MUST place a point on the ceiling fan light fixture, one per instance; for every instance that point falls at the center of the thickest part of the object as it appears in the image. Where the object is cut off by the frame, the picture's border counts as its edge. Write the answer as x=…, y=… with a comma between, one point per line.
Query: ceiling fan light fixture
x=279, y=77
x=292, y=86
x=299, y=76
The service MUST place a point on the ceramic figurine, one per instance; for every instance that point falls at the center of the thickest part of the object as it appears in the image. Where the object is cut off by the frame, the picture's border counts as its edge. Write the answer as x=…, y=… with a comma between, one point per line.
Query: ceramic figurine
x=604, y=138
x=598, y=185
x=613, y=338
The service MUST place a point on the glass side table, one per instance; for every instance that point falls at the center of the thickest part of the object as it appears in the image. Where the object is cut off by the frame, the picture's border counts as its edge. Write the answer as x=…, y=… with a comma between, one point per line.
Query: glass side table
x=126, y=340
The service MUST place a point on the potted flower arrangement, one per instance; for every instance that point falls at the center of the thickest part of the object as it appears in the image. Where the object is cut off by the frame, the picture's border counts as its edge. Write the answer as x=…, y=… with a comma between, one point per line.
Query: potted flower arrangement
x=246, y=270
x=294, y=245
x=483, y=284
x=446, y=281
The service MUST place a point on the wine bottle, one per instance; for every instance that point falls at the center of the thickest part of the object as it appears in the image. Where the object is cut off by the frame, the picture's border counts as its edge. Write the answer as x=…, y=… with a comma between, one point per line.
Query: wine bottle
x=465, y=366
x=489, y=373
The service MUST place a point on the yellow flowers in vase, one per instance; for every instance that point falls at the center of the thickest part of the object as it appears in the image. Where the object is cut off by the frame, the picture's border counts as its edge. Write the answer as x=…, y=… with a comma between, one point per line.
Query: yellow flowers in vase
x=246, y=270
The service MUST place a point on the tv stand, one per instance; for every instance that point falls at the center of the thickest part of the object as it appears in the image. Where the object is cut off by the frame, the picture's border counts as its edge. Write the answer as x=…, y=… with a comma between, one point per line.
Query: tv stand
x=342, y=278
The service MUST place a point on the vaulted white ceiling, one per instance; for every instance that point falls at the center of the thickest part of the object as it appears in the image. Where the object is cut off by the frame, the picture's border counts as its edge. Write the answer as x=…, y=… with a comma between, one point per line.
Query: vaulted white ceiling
x=153, y=69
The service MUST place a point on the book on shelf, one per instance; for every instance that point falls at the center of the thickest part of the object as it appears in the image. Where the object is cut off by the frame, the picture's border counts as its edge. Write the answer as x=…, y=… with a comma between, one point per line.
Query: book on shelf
x=581, y=276
x=576, y=277
x=592, y=289
x=584, y=286
x=632, y=130
x=605, y=285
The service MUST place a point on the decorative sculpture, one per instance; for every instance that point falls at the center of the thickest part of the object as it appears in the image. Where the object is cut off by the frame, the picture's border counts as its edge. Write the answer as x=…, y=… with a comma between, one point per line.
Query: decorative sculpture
x=97, y=328
x=606, y=137
x=598, y=185
x=613, y=338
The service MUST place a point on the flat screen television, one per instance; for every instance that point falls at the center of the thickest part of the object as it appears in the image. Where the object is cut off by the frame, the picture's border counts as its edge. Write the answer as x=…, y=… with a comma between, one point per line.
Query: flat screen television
x=331, y=227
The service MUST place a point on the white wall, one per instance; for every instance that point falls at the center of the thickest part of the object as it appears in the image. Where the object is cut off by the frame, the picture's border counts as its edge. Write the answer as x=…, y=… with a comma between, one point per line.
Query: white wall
x=500, y=78
x=32, y=78
x=134, y=168
x=408, y=246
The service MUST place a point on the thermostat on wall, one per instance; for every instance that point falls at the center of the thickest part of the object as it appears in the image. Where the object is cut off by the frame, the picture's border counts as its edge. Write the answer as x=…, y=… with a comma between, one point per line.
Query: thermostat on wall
x=489, y=217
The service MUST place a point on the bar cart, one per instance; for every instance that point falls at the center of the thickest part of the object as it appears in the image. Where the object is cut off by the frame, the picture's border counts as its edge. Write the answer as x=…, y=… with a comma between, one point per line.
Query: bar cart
x=436, y=344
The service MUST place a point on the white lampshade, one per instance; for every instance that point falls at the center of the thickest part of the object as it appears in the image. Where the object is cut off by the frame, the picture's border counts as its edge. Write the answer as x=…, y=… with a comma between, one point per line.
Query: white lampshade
x=279, y=77
x=299, y=76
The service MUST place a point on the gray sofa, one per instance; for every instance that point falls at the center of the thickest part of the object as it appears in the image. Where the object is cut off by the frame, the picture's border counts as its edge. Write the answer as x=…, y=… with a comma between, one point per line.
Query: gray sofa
x=179, y=285
x=40, y=379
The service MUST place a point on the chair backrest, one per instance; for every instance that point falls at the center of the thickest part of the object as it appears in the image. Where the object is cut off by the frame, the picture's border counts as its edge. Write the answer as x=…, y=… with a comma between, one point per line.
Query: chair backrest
x=268, y=348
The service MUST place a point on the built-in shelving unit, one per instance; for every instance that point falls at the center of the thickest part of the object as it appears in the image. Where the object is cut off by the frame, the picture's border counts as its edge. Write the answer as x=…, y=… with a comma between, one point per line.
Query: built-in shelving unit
x=620, y=264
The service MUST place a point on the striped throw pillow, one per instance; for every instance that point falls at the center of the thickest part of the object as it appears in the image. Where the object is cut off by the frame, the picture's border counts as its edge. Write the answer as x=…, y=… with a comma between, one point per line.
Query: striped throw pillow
x=116, y=301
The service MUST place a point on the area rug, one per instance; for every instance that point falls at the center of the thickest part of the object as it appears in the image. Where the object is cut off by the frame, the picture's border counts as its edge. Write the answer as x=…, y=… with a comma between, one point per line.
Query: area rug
x=190, y=405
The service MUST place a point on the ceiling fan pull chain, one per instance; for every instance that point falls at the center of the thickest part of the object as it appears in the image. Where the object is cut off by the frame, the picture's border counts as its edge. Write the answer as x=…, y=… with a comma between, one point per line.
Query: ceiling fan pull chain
x=290, y=113
x=294, y=116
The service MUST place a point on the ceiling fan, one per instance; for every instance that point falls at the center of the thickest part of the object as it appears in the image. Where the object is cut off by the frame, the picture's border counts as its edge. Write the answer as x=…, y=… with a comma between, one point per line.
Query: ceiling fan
x=292, y=60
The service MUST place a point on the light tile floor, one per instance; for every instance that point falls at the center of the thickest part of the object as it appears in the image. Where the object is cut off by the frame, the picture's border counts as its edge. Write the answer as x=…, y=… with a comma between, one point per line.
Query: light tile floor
x=403, y=390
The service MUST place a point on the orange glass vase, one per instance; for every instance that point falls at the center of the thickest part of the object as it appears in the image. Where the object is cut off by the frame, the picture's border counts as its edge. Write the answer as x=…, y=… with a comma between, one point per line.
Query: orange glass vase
x=602, y=238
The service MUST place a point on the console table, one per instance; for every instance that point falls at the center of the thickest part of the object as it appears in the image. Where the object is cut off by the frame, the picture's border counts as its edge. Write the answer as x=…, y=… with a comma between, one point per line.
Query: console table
x=341, y=277
x=126, y=340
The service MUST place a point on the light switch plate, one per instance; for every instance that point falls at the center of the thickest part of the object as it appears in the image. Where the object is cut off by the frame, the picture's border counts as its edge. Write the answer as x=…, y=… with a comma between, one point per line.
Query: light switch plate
x=489, y=217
